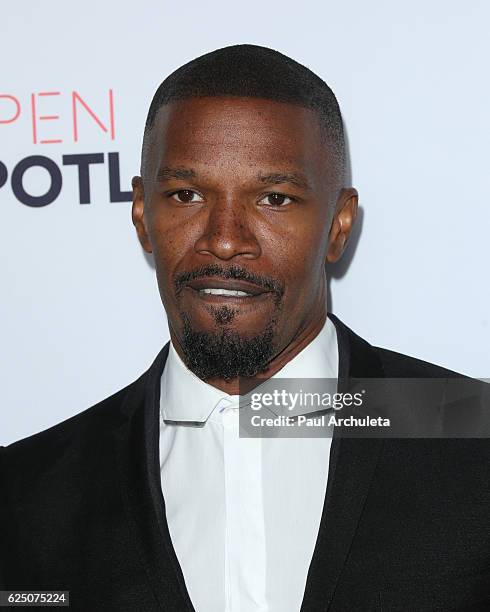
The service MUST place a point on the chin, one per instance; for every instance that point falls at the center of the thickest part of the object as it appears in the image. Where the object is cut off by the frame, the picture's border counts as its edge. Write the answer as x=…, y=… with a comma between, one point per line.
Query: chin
x=227, y=351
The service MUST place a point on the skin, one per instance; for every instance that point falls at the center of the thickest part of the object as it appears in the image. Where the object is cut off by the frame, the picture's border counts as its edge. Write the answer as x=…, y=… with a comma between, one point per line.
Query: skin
x=231, y=218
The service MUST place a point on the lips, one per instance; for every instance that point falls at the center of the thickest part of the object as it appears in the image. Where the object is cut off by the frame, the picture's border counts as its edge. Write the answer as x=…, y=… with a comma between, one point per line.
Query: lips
x=227, y=288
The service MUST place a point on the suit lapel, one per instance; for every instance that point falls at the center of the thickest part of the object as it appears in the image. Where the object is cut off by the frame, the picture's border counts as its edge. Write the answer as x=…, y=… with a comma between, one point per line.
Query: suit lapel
x=137, y=449
x=351, y=468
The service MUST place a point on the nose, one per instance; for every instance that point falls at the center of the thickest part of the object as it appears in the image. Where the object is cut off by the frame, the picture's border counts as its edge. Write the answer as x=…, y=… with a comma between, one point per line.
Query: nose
x=228, y=231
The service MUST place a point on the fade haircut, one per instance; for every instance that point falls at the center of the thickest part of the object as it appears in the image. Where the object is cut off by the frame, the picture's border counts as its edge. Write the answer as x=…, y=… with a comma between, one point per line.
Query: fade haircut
x=256, y=72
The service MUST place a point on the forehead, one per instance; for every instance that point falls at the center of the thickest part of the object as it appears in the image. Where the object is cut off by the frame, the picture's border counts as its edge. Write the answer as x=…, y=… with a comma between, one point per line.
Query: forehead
x=218, y=132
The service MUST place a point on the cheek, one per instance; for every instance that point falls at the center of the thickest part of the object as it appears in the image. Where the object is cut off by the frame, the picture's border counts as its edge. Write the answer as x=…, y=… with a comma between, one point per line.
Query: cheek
x=299, y=251
x=170, y=238
x=166, y=249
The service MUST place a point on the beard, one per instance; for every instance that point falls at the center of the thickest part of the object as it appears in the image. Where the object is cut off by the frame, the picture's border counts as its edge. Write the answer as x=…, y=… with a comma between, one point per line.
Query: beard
x=226, y=354
x=223, y=353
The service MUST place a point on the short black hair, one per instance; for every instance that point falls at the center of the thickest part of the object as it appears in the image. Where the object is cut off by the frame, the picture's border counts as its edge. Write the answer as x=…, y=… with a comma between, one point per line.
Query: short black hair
x=252, y=71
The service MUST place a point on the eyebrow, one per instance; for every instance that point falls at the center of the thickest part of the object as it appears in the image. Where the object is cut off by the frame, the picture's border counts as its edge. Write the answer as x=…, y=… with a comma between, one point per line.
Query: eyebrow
x=277, y=178
x=274, y=178
x=166, y=173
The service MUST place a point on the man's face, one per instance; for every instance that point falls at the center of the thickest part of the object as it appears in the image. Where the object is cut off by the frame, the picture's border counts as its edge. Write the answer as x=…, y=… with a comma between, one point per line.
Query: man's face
x=237, y=204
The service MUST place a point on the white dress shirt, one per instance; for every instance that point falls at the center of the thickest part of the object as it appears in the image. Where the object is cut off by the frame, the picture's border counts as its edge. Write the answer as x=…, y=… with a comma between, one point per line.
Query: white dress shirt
x=243, y=513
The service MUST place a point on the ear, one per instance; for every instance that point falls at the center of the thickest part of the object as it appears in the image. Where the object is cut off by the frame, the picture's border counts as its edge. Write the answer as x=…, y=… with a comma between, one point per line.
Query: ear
x=342, y=223
x=138, y=213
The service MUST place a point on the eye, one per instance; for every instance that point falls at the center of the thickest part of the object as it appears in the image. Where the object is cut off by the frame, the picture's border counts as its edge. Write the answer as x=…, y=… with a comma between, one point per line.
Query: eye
x=186, y=196
x=277, y=199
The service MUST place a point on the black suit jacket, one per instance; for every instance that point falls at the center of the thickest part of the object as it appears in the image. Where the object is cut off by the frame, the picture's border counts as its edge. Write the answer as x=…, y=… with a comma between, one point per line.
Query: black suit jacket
x=405, y=523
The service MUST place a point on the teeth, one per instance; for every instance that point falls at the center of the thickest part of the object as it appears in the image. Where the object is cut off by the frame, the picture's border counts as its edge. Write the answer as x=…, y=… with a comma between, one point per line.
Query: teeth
x=224, y=292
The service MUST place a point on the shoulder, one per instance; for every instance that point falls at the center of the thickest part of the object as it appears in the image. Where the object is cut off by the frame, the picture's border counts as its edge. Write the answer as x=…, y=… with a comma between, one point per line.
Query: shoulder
x=82, y=440
x=363, y=359
x=398, y=365
x=77, y=440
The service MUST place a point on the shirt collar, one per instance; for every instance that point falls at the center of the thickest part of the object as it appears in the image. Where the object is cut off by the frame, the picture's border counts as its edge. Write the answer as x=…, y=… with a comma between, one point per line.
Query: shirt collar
x=184, y=397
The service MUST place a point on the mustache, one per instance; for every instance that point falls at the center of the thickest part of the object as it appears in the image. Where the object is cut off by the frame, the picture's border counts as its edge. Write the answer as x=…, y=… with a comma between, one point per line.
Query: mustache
x=236, y=272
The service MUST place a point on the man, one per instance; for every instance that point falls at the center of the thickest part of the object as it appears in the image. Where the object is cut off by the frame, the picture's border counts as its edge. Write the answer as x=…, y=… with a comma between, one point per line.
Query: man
x=150, y=500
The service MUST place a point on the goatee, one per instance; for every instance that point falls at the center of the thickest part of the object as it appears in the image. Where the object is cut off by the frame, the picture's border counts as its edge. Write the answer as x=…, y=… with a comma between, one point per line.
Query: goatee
x=224, y=353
